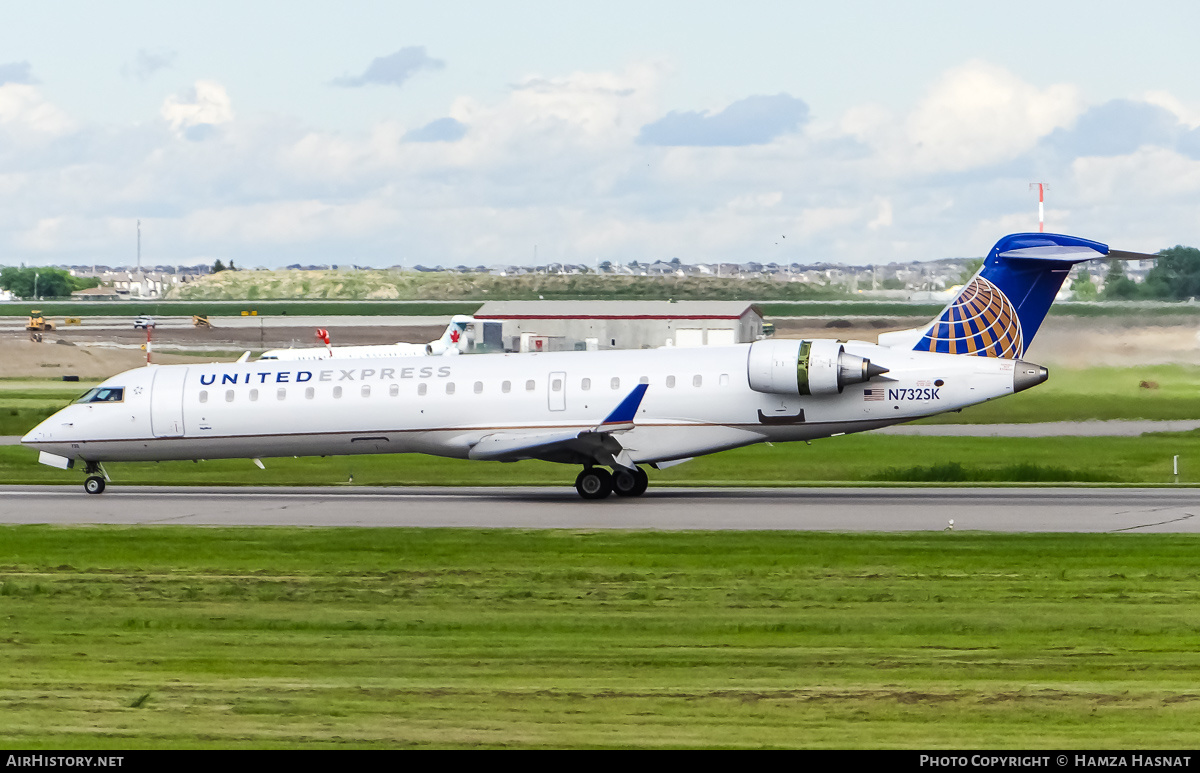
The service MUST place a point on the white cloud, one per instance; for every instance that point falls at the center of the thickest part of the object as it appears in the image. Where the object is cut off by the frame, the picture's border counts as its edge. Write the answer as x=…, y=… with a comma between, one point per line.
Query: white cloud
x=1150, y=174
x=1189, y=115
x=23, y=108
x=884, y=217
x=205, y=104
x=555, y=161
x=980, y=114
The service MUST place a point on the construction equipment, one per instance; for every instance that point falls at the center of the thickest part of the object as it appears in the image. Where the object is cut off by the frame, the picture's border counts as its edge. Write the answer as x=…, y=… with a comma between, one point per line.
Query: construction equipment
x=199, y=321
x=37, y=325
x=38, y=322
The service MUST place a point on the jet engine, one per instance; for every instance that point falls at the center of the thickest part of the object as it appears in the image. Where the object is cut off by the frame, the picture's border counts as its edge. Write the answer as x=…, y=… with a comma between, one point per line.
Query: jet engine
x=820, y=367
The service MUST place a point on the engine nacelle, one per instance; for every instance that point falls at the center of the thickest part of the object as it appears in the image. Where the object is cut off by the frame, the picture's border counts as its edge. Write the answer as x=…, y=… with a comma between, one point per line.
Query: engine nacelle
x=820, y=367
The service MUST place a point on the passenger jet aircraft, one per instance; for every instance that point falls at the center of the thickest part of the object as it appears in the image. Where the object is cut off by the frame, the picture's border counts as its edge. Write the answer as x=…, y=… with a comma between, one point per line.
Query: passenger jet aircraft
x=621, y=410
x=447, y=345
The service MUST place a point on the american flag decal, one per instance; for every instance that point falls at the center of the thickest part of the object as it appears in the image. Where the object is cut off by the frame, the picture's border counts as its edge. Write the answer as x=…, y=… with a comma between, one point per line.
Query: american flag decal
x=873, y=394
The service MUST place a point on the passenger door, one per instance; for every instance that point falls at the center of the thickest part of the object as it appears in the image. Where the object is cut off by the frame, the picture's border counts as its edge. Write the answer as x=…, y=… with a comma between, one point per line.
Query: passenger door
x=166, y=402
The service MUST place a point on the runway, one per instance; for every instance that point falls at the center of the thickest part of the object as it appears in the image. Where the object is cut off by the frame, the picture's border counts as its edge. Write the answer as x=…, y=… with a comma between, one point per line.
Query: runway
x=1145, y=510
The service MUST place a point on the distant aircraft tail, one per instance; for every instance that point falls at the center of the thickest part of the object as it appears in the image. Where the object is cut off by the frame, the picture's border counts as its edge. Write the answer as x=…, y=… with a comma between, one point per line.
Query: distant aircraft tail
x=449, y=342
x=1000, y=310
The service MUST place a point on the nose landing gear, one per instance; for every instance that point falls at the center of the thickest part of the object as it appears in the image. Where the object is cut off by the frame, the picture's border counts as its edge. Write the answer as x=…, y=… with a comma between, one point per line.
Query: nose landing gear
x=95, y=478
x=598, y=483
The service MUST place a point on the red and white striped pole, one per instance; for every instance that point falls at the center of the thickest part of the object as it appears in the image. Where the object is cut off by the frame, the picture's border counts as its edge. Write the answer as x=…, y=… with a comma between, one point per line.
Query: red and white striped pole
x=1041, y=189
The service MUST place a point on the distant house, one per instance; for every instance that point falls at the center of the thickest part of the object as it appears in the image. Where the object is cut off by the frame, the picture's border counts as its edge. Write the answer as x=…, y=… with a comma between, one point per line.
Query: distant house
x=96, y=294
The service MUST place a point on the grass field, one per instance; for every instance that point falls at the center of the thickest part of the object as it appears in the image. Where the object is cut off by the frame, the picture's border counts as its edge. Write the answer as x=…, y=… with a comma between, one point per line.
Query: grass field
x=1172, y=392
x=253, y=638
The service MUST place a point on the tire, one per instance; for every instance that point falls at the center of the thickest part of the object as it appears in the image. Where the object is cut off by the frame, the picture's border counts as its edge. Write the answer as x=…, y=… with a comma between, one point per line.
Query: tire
x=629, y=483
x=94, y=485
x=594, y=483
x=643, y=482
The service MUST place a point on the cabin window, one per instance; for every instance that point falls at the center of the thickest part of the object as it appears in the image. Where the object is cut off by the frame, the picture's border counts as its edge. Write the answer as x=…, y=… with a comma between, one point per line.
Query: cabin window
x=337, y=392
x=530, y=385
x=615, y=383
x=697, y=381
x=229, y=395
x=644, y=380
x=586, y=384
x=253, y=395
x=478, y=387
x=724, y=379
x=394, y=390
x=366, y=390
x=281, y=394
x=506, y=387
x=670, y=382
x=449, y=387
x=204, y=395
x=309, y=393
x=422, y=389
x=556, y=385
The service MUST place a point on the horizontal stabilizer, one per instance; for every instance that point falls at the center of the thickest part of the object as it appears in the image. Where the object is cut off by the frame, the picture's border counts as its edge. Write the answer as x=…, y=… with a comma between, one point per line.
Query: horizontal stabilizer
x=1068, y=252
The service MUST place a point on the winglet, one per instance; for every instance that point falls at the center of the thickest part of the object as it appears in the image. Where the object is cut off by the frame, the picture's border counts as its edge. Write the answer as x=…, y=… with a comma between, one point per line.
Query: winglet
x=622, y=417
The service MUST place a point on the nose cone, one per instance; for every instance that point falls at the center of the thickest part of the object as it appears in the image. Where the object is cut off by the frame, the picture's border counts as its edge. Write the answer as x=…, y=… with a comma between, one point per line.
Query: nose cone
x=38, y=433
x=1027, y=375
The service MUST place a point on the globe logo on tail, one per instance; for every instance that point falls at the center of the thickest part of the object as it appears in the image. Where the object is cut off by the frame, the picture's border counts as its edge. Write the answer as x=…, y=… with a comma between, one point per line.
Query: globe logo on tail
x=981, y=321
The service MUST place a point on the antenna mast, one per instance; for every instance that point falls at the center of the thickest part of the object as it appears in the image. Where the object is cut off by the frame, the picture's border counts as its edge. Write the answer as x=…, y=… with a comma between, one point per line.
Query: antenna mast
x=1041, y=189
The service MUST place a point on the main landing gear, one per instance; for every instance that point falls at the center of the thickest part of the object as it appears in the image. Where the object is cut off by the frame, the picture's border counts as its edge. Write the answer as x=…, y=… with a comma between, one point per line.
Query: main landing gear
x=597, y=482
x=95, y=478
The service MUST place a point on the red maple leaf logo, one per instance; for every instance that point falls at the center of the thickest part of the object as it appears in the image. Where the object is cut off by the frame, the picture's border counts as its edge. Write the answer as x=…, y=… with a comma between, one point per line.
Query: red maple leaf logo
x=454, y=336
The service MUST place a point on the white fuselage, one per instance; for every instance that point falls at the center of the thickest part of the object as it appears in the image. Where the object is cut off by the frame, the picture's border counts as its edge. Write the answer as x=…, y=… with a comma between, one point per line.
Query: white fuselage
x=698, y=401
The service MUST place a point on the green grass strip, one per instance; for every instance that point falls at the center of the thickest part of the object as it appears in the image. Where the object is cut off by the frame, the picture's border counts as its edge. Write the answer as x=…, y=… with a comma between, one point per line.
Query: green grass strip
x=179, y=637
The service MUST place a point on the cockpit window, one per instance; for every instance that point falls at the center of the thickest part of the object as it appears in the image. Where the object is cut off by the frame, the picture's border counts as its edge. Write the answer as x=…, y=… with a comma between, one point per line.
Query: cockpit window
x=104, y=395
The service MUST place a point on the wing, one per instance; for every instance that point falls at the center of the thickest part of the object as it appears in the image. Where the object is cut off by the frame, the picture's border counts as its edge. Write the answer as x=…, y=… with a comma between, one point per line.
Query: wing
x=596, y=445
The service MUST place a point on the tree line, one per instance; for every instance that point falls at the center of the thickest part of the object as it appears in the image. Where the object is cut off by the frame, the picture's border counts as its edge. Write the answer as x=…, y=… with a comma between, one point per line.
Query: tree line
x=1175, y=277
x=42, y=282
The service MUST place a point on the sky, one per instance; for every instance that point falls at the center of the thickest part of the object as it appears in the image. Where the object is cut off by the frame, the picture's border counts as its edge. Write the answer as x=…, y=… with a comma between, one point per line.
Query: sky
x=488, y=133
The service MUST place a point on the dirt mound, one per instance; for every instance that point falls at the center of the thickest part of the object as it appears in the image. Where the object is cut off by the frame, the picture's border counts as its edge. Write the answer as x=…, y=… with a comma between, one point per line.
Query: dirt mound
x=50, y=360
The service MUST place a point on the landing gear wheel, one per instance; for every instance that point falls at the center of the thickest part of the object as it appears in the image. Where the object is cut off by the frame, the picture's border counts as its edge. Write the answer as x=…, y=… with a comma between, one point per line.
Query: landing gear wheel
x=94, y=484
x=594, y=483
x=630, y=483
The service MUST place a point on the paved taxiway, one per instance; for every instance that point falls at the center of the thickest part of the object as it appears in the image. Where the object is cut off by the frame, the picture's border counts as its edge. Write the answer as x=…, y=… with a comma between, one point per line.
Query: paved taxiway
x=802, y=509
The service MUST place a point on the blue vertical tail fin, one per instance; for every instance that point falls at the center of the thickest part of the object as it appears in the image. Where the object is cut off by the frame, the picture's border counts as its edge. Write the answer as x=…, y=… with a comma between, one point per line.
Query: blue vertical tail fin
x=1000, y=310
